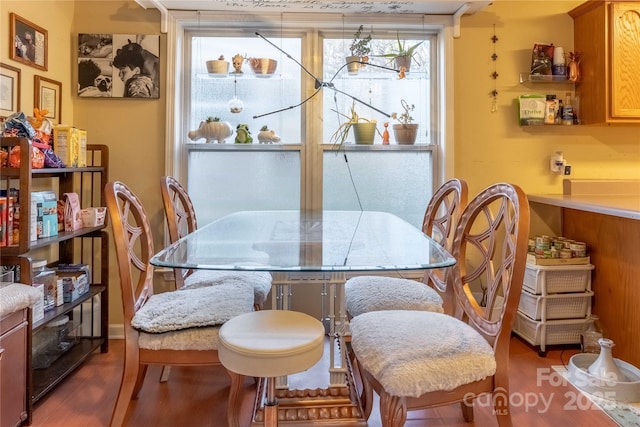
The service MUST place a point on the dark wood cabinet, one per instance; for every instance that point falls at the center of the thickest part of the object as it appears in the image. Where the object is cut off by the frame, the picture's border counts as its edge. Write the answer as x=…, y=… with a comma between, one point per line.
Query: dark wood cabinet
x=14, y=400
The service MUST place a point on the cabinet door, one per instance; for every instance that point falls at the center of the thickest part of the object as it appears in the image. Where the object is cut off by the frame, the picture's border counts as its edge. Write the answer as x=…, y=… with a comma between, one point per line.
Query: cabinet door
x=625, y=60
x=13, y=371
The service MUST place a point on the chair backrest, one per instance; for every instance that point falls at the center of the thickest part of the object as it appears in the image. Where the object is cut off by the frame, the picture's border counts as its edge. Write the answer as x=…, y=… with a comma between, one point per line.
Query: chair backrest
x=440, y=220
x=490, y=245
x=181, y=217
x=134, y=248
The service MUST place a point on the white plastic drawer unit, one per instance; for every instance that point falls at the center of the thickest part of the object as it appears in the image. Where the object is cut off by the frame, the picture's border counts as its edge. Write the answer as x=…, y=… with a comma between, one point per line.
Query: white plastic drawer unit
x=539, y=279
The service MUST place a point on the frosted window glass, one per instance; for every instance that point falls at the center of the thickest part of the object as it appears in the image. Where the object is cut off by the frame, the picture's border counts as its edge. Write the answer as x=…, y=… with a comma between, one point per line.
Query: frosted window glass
x=397, y=182
x=223, y=182
x=210, y=95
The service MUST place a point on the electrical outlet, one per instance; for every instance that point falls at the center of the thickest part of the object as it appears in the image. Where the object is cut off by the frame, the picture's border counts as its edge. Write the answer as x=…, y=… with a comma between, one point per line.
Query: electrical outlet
x=567, y=170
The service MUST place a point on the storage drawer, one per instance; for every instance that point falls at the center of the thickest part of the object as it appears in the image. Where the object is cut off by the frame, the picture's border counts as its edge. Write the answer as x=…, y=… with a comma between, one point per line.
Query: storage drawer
x=539, y=279
x=556, y=306
x=550, y=332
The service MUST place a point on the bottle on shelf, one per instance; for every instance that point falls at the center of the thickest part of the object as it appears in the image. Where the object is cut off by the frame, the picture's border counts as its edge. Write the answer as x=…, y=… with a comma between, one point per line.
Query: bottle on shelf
x=591, y=335
x=567, y=111
x=559, y=111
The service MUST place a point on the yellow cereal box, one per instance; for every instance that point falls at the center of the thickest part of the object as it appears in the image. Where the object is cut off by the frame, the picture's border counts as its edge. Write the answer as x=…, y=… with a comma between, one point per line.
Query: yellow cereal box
x=65, y=144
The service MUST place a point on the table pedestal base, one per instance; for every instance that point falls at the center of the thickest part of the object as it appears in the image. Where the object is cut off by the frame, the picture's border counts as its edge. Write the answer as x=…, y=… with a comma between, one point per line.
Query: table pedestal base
x=334, y=406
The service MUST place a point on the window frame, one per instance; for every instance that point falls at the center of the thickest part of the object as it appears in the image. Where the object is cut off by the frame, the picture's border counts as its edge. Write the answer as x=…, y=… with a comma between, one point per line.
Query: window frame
x=182, y=23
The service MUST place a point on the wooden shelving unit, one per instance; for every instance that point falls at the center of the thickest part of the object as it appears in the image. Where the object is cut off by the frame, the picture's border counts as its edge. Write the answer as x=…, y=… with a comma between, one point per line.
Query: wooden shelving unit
x=87, y=245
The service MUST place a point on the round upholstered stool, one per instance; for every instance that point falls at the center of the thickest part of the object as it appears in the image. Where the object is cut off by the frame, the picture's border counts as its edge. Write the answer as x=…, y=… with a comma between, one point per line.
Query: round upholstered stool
x=268, y=344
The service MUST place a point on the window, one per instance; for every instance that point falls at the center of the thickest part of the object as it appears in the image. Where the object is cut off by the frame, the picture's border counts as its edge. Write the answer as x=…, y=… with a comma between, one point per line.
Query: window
x=306, y=170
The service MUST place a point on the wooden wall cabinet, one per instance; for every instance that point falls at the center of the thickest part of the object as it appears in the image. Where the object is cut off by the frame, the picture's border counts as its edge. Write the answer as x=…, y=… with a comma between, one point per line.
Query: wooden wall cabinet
x=608, y=35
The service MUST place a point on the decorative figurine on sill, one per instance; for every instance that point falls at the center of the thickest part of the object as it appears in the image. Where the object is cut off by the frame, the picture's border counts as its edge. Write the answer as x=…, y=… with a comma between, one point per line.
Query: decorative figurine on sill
x=237, y=61
x=266, y=136
x=212, y=129
x=385, y=134
x=243, y=135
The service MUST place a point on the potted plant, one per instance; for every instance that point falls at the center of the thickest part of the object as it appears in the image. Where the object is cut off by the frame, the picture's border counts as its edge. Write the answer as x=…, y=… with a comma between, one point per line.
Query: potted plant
x=363, y=129
x=360, y=48
x=401, y=54
x=405, y=132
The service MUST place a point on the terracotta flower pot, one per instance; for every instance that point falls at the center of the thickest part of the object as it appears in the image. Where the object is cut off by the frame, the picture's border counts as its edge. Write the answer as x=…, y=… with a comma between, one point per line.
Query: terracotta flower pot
x=405, y=133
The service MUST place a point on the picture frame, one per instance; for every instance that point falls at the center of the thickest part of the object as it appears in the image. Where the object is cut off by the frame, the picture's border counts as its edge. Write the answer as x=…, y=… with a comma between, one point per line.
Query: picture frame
x=9, y=90
x=47, y=95
x=28, y=42
x=118, y=66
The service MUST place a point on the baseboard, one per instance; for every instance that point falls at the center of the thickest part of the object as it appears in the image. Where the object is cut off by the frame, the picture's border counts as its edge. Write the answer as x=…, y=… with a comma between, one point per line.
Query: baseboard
x=116, y=332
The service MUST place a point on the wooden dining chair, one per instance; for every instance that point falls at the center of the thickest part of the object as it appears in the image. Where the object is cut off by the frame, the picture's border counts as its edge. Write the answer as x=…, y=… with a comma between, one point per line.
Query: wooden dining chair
x=418, y=359
x=170, y=328
x=181, y=220
x=372, y=293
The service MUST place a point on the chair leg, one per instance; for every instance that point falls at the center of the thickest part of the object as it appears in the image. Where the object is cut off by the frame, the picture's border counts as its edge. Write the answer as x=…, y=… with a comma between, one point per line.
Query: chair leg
x=142, y=371
x=233, y=403
x=501, y=407
x=164, y=375
x=125, y=394
x=467, y=411
x=366, y=397
x=393, y=410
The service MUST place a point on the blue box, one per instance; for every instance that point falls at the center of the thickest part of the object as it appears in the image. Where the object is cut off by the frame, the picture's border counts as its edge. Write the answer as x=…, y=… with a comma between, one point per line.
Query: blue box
x=46, y=204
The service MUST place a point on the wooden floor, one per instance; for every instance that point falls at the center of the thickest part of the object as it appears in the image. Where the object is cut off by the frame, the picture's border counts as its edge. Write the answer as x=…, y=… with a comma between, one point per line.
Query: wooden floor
x=197, y=396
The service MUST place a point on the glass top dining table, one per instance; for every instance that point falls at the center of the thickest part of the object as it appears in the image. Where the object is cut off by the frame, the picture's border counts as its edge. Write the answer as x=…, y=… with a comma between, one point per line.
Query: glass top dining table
x=299, y=247
x=289, y=241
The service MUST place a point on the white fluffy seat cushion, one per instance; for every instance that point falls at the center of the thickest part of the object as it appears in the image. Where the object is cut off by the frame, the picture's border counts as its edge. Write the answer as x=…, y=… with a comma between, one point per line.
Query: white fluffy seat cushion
x=414, y=352
x=16, y=296
x=183, y=309
x=374, y=293
x=261, y=281
x=185, y=339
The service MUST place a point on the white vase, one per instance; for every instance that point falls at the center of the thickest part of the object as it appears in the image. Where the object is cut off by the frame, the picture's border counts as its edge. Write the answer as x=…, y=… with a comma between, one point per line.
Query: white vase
x=605, y=367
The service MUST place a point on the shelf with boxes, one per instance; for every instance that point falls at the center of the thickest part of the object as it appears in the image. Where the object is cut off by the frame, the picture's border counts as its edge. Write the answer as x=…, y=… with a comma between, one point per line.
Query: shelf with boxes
x=554, y=305
x=83, y=308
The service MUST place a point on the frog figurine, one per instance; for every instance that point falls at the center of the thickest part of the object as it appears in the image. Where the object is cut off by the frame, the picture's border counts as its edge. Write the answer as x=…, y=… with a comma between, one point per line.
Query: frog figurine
x=243, y=135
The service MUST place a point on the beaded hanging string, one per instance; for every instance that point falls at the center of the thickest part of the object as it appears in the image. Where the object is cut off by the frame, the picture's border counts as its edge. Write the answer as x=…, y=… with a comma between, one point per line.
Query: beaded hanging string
x=494, y=75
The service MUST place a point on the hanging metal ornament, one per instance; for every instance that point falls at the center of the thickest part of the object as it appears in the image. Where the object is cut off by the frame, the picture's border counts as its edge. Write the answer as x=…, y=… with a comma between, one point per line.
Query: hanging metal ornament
x=235, y=105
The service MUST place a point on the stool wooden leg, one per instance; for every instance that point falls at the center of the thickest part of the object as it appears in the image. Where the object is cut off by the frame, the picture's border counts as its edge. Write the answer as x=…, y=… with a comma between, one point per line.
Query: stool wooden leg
x=271, y=404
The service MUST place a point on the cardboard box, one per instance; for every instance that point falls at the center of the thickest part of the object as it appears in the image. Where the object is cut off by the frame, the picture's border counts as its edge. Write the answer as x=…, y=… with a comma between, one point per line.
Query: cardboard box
x=12, y=215
x=93, y=217
x=66, y=144
x=72, y=217
x=531, y=110
x=75, y=280
x=37, y=311
x=535, y=260
x=82, y=148
x=74, y=285
x=46, y=207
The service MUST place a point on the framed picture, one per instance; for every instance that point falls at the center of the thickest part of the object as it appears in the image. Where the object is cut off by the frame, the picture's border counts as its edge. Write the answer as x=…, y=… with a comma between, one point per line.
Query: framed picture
x=9, y=90
x=28, y=42
x=119, y=66
x=48, y=96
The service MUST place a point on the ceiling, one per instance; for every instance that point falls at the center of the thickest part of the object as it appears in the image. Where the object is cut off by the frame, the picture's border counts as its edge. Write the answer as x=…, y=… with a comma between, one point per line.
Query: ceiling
x=441, y=7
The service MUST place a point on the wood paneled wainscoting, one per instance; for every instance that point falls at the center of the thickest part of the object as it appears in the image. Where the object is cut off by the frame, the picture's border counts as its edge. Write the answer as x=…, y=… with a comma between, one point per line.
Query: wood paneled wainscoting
x=614, y=246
